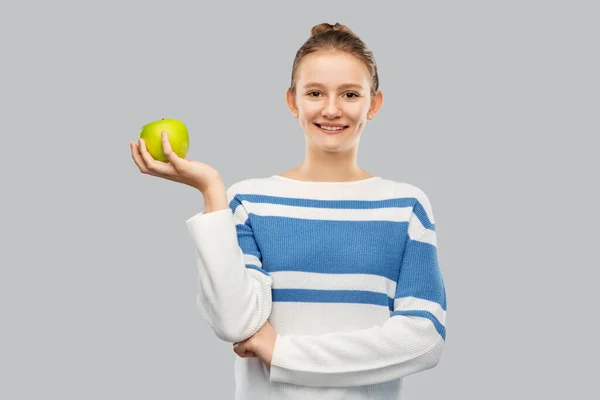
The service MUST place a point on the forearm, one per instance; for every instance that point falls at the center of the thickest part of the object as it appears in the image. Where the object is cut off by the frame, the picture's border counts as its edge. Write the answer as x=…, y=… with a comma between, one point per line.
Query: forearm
x=234, y=293
x=236, y=301
x=401, y=347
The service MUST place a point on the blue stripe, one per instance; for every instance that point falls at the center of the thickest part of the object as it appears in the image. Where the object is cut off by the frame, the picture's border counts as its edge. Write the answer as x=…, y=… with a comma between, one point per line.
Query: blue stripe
x=234, y=204
x=246, y=240
x=421, y=214
x=420, y=275
x=330, y=247
x=251, y=266
x=399, y=202
x=330, y=296
x=441, y=329
x=336, y=204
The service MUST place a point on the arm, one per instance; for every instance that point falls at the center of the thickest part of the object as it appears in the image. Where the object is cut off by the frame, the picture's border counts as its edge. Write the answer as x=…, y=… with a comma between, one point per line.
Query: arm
x=234, y=291
x=411, y=340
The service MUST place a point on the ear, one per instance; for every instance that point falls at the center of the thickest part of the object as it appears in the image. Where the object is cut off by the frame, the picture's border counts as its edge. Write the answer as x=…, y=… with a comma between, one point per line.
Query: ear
x=376, y=103
x=291, y=102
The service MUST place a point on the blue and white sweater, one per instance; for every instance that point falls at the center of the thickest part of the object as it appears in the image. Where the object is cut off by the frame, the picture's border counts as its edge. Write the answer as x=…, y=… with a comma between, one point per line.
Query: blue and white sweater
x=346, y=273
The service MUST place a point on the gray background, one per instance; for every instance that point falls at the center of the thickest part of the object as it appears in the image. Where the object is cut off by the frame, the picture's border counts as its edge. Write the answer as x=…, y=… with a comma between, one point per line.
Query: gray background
x=490, y=107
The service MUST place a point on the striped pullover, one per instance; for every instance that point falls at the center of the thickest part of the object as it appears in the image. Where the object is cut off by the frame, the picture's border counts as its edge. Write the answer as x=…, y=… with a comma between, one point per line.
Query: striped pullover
x=346, y=273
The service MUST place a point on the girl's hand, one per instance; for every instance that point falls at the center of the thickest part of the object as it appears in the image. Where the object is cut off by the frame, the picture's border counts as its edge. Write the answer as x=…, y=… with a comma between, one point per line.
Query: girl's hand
x=192, y=173
x=260, y=345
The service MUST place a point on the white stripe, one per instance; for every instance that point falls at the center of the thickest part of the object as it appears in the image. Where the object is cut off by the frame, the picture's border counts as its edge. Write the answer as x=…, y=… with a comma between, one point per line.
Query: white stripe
x=319, y=281
x=300, y=318
x=240, y=215
x=396, y=214
x=415, y=227
x=429, y=236
x=252, y=259
x=414, y=303
x=378, y=189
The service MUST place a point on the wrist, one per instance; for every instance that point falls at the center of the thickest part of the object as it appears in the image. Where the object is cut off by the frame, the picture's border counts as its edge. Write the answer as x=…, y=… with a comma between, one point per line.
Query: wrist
x=215, y=196
x=210, y=184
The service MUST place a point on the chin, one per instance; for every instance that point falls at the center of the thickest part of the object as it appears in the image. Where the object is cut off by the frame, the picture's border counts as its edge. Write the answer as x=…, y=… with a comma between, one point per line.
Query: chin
x=339, y=147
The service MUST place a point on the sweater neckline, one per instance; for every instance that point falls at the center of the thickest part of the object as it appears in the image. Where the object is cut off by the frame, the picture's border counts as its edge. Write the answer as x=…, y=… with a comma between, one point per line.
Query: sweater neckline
x=373, y=178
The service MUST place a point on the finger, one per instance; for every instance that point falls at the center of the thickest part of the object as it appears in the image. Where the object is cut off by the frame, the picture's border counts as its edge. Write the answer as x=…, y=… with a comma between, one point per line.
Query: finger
x=137, y=158
x=157, y=167
x=236, y=350
x=168, y=150
x=243, y=352
x=240, y=348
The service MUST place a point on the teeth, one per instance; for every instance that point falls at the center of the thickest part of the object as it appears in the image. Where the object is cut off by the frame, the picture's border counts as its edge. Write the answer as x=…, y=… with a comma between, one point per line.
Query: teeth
x=331, y=128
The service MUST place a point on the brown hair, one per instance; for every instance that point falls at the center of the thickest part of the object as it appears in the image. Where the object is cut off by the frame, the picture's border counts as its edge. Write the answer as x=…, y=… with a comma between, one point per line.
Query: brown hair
x=325, y=36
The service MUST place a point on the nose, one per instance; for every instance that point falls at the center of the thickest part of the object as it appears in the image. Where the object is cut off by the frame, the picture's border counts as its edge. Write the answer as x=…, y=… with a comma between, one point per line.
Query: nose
x=331, y=109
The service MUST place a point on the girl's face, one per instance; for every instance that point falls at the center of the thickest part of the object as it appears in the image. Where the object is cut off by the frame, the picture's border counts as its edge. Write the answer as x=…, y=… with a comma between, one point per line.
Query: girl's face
x=333, y=100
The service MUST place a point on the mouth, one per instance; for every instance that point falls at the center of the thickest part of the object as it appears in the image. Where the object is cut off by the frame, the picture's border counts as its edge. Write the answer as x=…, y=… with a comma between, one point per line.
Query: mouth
x=331, y=129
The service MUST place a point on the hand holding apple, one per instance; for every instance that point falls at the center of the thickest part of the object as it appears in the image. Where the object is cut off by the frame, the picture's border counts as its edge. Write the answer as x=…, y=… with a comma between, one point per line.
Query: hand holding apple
x=176, y=168
x=178, y=138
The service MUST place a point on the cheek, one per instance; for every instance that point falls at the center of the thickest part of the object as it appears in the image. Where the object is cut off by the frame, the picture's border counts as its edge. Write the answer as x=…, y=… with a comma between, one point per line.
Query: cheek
x=356, y=111
x=308, y=117
x=358, y=116
x=309, y=109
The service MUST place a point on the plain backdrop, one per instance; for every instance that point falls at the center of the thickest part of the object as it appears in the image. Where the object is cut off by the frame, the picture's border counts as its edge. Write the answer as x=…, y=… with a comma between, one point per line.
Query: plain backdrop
x=490, y=107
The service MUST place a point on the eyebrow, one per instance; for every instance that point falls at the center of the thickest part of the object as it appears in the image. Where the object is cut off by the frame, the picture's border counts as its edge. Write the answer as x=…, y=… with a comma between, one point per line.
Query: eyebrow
x=343, y=86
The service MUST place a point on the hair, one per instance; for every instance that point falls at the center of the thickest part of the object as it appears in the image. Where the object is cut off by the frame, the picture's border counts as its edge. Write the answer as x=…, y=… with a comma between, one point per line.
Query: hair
x=338, y=37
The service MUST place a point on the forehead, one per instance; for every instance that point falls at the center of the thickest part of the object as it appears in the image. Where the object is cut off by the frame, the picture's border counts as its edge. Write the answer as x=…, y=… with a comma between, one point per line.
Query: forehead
x=332, y=68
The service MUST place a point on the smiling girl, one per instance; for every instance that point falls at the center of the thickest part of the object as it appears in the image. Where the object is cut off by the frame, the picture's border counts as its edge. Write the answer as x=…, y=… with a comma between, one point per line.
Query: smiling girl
x=325, y=278
x=334, y=90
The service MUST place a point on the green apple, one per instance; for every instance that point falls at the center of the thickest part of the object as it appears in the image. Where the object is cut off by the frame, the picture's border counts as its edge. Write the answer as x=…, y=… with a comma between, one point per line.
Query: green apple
x=178, y=137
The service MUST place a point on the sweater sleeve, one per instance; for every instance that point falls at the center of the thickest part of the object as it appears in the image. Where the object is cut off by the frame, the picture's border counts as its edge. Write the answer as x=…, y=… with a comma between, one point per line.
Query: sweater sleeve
x=234, y=291
x=411, y=340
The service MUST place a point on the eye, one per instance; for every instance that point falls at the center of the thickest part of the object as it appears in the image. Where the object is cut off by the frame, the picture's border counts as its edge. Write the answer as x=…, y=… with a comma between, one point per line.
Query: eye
x=352, y=95
x=313, y=92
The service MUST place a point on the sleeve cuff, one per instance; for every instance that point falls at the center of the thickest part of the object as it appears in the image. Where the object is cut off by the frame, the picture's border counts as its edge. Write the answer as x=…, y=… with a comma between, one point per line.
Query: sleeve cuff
x=215, y=234
x=201, y=216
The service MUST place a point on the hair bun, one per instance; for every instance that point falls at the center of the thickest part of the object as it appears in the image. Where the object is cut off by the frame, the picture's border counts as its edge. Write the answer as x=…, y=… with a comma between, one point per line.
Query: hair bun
x=326, y=27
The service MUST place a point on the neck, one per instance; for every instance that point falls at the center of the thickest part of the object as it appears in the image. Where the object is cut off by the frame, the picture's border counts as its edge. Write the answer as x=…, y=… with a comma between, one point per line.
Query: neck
x=331, y=167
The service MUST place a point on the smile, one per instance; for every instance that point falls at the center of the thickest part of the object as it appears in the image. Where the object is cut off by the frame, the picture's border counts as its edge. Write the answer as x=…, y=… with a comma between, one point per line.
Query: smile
x=331, y=129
